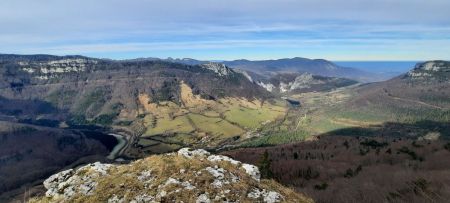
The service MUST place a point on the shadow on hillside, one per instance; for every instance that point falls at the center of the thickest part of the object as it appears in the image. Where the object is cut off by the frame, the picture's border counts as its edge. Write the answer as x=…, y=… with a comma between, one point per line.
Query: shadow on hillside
x=32, y=146
x=395, y=129
x=385, y=163
x=18, y=107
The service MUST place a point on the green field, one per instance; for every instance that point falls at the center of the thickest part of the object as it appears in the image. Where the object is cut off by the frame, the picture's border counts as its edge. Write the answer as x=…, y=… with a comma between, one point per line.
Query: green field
x=205, y=122
x=252, y=118
x=166, y=125
x=215, y=126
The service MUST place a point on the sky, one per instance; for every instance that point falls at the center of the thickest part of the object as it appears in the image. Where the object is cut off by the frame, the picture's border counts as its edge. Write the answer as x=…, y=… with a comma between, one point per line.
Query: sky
x=350, y=30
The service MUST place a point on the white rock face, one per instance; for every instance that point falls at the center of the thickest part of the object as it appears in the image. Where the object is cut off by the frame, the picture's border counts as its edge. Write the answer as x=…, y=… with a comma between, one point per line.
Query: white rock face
x=29, y=70
x=218, y=158
x=243, y=72
x=62, y=184
x=267, y=196
x=56, y=182
x=253, y=171
x=218, y=68
x=431, y=136
x=97, y=167
x=145, y=176
x=304, y=80
x=188, y=153
x=203, y=198
x=284, y=87
x=415, y=74
x=429, y=69
x=218, y=175
x=67, y=65
x=221, y=176
x=269, y=87
x=143, y=198
x=44, y=77
x=47, y=70
x=432, y=66
x=186, y=184
x=116, y=199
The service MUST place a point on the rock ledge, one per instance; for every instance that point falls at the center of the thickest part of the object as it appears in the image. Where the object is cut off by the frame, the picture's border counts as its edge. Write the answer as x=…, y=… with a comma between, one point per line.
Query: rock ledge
x=185, y=176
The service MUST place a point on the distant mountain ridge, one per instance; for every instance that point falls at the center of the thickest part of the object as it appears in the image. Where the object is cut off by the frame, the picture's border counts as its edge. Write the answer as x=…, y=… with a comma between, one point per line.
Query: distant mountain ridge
x=303, y=65
x=291, y=83
x=319, y=67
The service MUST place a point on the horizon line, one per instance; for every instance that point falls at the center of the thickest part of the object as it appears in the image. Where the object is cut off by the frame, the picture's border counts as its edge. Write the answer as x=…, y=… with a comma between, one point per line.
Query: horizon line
x=221, y=60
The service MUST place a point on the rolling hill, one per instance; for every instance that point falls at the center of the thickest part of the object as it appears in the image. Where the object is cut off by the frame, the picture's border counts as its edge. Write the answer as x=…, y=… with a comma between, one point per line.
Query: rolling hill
x=420, y=94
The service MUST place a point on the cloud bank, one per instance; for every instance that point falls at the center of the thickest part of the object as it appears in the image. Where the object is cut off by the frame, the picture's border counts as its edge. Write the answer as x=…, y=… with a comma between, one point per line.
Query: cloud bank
x=206, y=29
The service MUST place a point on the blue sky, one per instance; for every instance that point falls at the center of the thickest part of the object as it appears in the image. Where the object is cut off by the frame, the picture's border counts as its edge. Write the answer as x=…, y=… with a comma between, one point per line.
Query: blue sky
x=229, y=29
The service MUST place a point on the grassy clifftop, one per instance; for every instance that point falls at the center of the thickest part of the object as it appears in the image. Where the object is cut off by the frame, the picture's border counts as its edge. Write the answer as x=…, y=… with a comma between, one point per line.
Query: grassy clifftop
x=186, y=176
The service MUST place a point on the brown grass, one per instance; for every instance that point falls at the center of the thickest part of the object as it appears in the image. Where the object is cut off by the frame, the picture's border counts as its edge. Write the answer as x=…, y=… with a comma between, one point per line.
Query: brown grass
x=123, y=181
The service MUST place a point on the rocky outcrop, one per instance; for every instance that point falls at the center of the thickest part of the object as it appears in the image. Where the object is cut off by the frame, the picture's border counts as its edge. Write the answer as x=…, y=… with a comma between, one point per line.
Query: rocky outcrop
x=68, y=183
x=218, y=68
x=185, y=176
x=293, y=82
x=438, y=71
x=49, y=69
x=268, y=86
x=434, y=66
x=304, y=80
x=201, y=154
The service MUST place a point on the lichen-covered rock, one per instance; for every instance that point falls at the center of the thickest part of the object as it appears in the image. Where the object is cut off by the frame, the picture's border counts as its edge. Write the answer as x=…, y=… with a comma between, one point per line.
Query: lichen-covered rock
x=186, y=176
x=266, y=196
x=203, y=198
x=252, y=170
x=144, y=198
x=56, y=183
x=69, y=183
x=218, y=158
x=189, y=153
x=115, y=199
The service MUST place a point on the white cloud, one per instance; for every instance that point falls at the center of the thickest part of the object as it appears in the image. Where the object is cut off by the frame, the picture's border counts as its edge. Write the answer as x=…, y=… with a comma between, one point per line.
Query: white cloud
x=102, y=26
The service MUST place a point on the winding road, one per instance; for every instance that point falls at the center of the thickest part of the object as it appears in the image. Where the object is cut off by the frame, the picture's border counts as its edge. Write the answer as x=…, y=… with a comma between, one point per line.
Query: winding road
x=122, y=143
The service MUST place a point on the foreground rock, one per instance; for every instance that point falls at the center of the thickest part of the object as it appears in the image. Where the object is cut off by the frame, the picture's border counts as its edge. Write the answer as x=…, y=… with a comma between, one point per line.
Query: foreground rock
x=186, y=176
